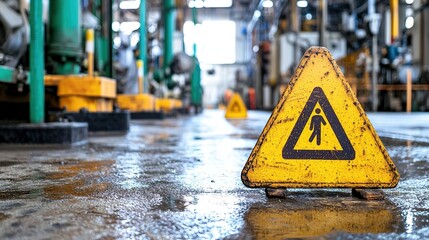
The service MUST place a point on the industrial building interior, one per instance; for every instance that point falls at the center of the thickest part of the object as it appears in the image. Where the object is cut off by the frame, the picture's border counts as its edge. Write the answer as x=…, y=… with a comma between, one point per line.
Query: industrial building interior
x=114, y=117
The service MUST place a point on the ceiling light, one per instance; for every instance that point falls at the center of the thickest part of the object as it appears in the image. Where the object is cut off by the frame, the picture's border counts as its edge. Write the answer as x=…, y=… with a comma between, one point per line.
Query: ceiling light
x=217, y=3
x=210, y=3
x=302, y=3
x=267, y=4
x=116, y=26
x=129, y=27
x=134, y=4
x=409, y=11
x=256, y=14
x=199, y=3
x=116, y=42
x=255, y=48
x=409, y=22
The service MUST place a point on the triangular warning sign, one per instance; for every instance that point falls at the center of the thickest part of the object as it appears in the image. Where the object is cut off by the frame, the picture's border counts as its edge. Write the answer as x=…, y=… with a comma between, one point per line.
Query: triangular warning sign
x=346, y=153
x=236, y=107
x=319, y=136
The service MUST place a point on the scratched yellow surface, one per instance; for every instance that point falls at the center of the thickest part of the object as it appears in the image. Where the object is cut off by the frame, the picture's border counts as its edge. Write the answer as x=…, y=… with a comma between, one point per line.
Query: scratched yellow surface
x=236, y=108
x=371, y=166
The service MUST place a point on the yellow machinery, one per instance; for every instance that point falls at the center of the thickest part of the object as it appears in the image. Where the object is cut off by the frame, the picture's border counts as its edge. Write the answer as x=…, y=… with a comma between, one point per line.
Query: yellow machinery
x=169, y=104
x=140, y=102
x=88, y=98
x=147, y=103
x=143, y=102
x=77, y=92
x=137, y=102
x=89, y=92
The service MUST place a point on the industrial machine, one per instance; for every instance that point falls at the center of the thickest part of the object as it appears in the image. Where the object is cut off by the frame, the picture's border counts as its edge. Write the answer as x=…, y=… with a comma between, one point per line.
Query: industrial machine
x=14, y=39
x=72, y=94
x=81, y=80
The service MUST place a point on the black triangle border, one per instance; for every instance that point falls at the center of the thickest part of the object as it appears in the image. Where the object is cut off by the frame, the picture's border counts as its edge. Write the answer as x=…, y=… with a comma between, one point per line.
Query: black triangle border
x=348, y=152
x=237, y=105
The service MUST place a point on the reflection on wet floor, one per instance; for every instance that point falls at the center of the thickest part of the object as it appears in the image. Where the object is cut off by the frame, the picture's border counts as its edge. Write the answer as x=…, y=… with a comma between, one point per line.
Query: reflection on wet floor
x=279, y=222
x=180, y=179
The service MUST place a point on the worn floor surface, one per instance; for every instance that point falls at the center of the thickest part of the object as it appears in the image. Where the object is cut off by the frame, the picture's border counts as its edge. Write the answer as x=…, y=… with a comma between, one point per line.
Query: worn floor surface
x=180, y=179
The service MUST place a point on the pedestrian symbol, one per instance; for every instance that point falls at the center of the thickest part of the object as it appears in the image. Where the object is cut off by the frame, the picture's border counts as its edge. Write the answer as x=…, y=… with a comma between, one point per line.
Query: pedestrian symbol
x=236, y=108
x=318, y=135
x=316, y=127
x=290, y=152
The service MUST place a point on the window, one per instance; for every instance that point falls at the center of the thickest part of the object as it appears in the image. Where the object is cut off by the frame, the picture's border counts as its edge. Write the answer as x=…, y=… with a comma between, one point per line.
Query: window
x=215, y=41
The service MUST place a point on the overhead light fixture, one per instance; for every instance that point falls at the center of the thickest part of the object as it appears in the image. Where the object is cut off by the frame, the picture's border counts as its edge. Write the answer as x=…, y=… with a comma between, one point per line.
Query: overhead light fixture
x=409, y=1
x=210, y=3
x=409, y=22
x=302, y=3
x=409, y=11
x=267, y=4
x=129, y=27
x=116, y=42
x=217, y=3
x=256, y=14
x=199, y=3
x=130, y=4
x=116, y=26
x=255, y=48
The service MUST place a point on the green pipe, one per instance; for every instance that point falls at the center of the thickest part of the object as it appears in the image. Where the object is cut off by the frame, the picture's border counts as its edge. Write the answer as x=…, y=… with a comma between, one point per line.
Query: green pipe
x=143, y=43
x=7, y=74
x=169, y=20
x=196, y=89
x=65, y=36
x=109, y=37
x=37, y=88
x=103, y=37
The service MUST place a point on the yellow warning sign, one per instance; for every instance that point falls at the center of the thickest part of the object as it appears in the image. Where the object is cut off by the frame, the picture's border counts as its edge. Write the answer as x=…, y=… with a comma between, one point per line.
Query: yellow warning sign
x=236, y=107
x=319, y=136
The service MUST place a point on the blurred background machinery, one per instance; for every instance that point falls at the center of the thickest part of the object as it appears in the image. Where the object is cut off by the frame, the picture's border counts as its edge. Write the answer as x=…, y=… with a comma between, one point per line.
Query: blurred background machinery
x=246, y=46
x=85, y=77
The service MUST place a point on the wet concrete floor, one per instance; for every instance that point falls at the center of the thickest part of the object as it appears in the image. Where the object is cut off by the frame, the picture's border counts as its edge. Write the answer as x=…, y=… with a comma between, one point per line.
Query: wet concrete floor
x=180, y=179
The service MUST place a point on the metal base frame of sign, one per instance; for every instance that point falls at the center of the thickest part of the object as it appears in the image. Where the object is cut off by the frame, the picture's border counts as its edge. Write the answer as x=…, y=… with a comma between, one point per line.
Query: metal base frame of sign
x=366, y=194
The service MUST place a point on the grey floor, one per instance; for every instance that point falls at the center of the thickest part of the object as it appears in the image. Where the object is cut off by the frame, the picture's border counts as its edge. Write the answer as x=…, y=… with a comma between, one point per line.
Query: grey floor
x=180, y=179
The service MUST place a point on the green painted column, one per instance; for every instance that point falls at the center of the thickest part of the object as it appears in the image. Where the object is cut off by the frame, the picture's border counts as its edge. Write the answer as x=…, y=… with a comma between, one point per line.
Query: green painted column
x=65, y=36
x=143, y=43
x=109, y=40
x=37, y=88
x=103, y=37
x=196, y=89
x=169, y=20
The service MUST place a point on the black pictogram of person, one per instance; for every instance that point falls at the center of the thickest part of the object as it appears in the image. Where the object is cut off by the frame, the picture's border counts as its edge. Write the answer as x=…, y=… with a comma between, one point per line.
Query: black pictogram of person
x=235, y=107
x=316, y=127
